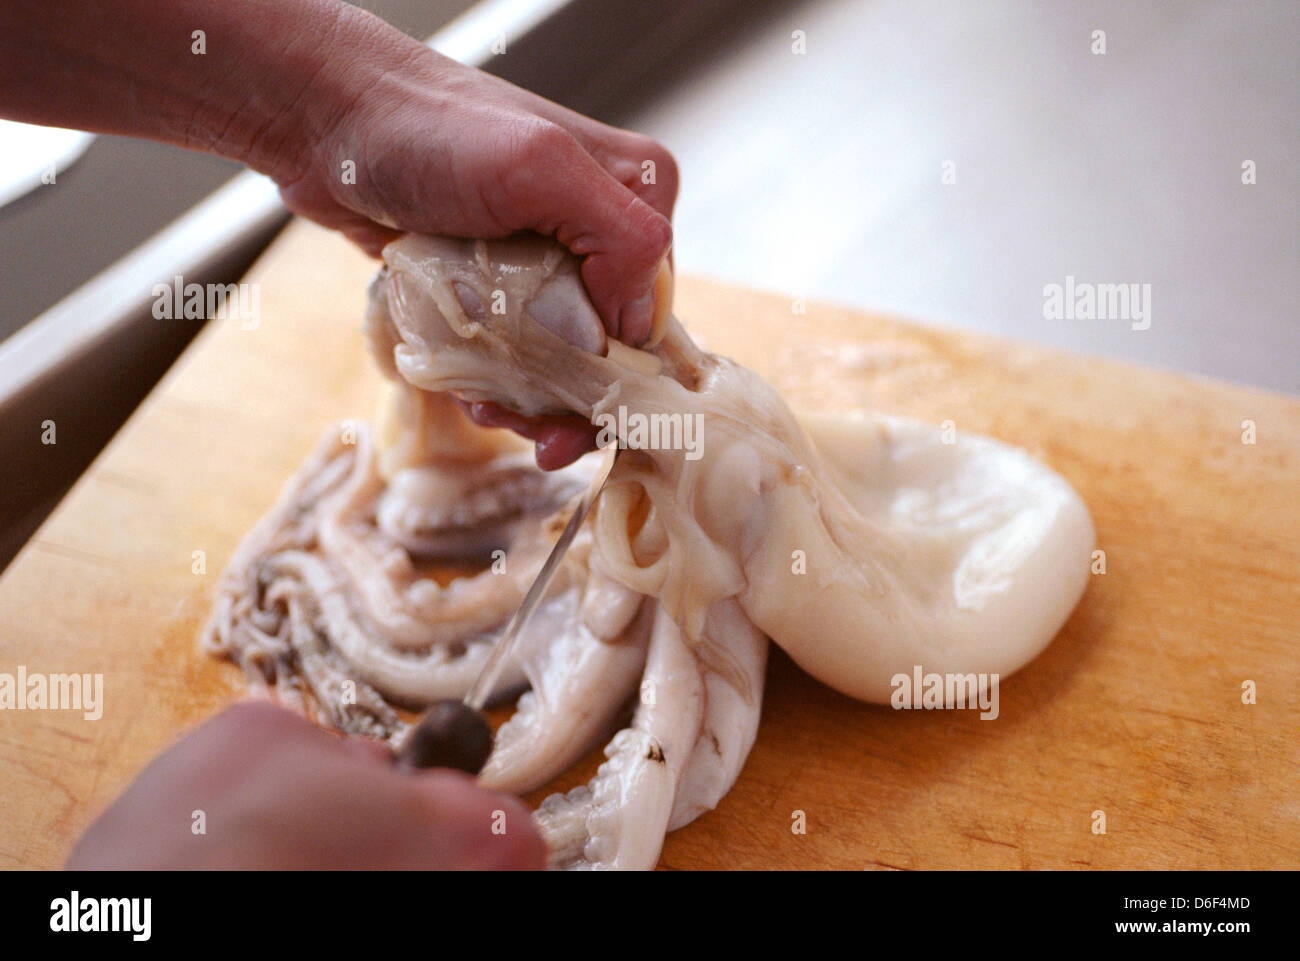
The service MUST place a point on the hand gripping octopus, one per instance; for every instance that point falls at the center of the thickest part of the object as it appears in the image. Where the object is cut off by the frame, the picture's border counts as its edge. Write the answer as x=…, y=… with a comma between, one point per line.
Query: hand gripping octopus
x=864, y=545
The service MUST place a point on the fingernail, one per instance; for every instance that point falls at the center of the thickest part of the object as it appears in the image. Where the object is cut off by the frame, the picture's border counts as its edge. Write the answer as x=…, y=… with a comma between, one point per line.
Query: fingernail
x=663, y=302
x=634, y=321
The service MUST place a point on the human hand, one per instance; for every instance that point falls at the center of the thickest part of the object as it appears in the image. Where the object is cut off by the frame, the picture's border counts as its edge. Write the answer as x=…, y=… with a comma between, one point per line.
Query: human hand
x=277, y=792
x=364, y=129
x=442, y=148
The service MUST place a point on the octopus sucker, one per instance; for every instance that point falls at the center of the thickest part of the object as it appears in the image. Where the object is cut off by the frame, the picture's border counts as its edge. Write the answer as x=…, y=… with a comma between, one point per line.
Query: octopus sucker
x=620, y=818
x=863, y=544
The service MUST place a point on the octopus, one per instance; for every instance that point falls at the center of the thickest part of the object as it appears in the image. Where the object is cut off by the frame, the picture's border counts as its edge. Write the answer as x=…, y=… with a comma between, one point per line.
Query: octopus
x=863, y=544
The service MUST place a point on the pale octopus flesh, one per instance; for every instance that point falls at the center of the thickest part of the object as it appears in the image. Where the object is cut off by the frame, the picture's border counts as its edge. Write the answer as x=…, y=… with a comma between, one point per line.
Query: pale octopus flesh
x=863, y=544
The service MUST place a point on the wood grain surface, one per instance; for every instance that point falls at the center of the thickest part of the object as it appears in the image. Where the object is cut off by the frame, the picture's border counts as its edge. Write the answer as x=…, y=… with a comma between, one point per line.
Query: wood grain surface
x=1135, y=709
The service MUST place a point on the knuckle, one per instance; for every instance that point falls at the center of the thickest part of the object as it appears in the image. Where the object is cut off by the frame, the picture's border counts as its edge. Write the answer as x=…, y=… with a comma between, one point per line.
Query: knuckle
x=667, y=165
x=654, y=231
x=539, y=141
x=525, y=169
x=642, y=148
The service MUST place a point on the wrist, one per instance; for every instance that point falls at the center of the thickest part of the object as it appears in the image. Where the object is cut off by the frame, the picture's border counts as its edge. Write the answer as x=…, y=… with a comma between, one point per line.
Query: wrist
x=322, y=78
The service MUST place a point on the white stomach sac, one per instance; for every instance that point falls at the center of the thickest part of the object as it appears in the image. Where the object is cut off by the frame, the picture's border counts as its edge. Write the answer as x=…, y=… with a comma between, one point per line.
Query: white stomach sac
x=866, y=546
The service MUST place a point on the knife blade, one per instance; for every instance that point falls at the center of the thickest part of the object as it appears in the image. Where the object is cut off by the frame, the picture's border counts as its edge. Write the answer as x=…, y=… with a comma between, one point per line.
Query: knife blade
x=478, y=694
x=456, y=733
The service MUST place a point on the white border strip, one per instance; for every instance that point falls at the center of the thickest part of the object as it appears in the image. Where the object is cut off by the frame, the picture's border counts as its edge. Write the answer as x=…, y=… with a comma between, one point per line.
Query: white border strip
x=469, y=37
x=120, y=295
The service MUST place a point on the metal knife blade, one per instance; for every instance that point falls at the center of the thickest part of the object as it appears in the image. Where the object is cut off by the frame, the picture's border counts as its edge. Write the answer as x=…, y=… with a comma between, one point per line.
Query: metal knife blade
x=478, y=694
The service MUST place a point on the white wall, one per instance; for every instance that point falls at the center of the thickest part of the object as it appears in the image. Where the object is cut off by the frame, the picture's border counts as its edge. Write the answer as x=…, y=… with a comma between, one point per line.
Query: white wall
x=820, y=174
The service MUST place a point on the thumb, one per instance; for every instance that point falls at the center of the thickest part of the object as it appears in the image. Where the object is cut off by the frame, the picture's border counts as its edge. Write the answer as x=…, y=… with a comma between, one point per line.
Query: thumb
x=620, y=272
x=472, y=828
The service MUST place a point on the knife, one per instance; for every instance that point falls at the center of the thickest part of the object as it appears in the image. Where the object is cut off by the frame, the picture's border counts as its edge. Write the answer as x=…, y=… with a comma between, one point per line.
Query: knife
x=456, y=734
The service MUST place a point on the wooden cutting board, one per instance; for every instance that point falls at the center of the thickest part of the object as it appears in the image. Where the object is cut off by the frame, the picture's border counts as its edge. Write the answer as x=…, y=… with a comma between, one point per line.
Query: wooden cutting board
x=1135, y=709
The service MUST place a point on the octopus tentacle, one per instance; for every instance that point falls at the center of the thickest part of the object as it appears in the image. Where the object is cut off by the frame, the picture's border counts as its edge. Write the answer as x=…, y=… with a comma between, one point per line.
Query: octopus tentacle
x=578, y=680
x=619, y=819
x=319, y=593
x=733, y=701
x=836, y=564
x=864, y=545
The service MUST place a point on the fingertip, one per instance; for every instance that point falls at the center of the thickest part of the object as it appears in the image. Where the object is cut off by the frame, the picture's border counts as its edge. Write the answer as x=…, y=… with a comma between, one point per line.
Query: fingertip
x=657, y=231
x=487, y=830
x=517, y=845
x=368, y=751
x=522, y=847
x=635, y=318
x=266, y=717
x=532, y=853
x=643, y=320
x=622, y=279
x=561, y=445
x=372, y=239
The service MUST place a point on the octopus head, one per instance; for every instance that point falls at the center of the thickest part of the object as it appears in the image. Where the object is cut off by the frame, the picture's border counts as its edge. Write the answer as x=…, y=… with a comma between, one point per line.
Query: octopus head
x=509, y=321
x=862, y=545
